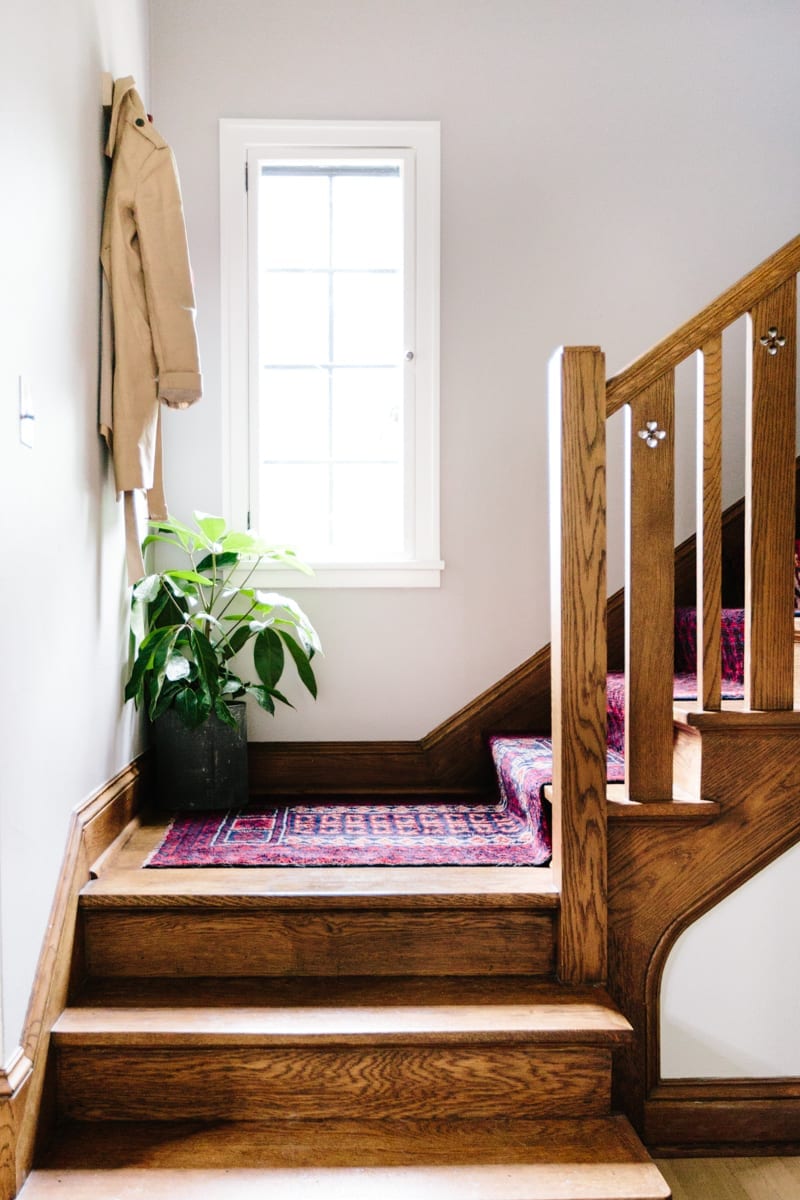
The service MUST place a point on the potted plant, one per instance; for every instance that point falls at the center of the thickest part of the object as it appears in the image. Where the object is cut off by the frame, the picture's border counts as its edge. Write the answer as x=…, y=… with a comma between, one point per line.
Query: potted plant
x=192, y=623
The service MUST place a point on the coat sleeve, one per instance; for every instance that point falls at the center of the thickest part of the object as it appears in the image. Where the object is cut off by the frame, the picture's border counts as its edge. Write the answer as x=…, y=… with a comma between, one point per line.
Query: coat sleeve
x=161, y=231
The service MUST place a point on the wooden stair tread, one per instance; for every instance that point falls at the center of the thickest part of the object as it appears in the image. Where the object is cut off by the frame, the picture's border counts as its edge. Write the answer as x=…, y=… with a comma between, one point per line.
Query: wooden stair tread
x=591, y=1159
x=352, y=1013
x=324, y=887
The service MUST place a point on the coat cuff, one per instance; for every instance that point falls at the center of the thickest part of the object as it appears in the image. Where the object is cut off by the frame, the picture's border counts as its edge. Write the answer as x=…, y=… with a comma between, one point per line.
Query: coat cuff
x=179, y=389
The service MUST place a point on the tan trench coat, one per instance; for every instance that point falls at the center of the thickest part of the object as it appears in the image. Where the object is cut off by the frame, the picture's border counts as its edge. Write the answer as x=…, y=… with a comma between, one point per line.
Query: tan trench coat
x=149, y=342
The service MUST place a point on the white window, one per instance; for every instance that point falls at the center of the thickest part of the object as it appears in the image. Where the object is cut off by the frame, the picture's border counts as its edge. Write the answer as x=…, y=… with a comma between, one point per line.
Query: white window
x=330, y=315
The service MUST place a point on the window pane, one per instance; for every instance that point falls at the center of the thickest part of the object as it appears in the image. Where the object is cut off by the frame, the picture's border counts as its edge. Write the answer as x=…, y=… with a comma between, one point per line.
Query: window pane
x=294, y=501
x=294, y=415
x=367, y=318
x=294, y=221
x=367, y=511
x=294, y=318
x=367, y=414
x=368, y=222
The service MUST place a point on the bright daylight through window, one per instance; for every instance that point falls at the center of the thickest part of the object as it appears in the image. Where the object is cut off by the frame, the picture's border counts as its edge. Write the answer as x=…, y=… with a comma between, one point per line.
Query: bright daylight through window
x=331, y=268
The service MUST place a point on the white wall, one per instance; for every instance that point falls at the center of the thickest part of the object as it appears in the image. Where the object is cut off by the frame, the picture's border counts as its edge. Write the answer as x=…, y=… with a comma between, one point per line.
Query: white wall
x=62, y=590
x=607, y=170
x=730, y=994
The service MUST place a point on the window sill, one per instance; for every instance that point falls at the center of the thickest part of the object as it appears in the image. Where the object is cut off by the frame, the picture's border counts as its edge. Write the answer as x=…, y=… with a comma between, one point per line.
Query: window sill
x=352, y=575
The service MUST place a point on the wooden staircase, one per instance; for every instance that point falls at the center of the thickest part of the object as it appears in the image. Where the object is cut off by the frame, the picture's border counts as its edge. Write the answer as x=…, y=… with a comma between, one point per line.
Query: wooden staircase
x=332, y=1032
x=447, y=1033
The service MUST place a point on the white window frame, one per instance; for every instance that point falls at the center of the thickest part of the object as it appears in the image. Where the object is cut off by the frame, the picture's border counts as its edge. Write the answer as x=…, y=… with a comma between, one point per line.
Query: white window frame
x=242, y=144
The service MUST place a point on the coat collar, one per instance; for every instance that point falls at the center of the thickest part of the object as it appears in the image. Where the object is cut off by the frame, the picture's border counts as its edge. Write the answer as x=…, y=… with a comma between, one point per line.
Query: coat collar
x=122, y=88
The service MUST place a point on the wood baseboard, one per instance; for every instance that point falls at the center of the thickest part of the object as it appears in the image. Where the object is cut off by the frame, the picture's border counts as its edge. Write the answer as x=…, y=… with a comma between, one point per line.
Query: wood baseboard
x=723, y=1117
x=24, y=1085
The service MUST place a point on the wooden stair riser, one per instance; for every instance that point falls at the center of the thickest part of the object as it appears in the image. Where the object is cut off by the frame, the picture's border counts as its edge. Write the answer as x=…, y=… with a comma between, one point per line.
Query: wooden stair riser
x=373, y=1082
x=200, y=942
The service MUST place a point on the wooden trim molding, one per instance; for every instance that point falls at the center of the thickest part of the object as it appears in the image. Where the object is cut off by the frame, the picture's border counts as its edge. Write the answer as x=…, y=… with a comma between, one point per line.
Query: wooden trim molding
x=24, y=1098
x=699, y=1117
x=14, y=1074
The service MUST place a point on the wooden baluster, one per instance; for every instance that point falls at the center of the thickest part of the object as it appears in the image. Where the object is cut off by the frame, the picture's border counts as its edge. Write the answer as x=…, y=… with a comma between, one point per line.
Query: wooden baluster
x=650, y=592
x=578, y=610
x=709, y=523
x=770, y=500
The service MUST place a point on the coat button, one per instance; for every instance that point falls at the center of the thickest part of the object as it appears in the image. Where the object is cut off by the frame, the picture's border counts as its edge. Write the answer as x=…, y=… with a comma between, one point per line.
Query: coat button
x=139, y=121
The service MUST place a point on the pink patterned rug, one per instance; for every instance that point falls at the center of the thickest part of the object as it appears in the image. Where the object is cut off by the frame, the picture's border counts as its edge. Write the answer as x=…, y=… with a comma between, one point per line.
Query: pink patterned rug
x=513, y=832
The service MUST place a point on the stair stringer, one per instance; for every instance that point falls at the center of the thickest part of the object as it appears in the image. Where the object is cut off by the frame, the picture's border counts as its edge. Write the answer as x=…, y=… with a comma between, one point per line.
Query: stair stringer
x=663, y=876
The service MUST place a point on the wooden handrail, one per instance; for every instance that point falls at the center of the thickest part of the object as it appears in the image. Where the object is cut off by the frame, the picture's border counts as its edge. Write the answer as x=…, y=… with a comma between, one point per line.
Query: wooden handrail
x=690, y=337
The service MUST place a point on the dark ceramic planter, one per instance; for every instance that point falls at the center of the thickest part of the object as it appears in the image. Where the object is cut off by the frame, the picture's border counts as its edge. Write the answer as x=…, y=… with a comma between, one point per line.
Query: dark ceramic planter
x=203, y=768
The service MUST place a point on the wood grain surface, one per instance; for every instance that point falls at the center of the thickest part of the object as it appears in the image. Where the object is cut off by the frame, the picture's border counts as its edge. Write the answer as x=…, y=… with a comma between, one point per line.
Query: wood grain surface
x=344, y=1143
x=26, y=1112
x=770, y=505
x=372, y=1082
x=576, y=391
x=709, y=522
x=731, y=1116
x=589, y=1159
x=663, y=877
x=649, y=594
x=741, y=1178
x=186, y=941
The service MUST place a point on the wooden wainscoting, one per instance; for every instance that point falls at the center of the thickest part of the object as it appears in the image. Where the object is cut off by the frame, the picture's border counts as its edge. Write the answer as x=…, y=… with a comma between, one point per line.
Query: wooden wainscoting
x=710, y=1117
x=25, y=1101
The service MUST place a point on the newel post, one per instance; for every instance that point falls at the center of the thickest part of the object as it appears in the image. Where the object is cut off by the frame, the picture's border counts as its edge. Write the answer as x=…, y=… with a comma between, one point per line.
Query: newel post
x=577, y=427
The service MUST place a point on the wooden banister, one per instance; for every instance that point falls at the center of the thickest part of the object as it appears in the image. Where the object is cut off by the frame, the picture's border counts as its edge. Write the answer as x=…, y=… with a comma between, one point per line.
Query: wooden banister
x=691, y=336
x=580, y=400
x=577, y=432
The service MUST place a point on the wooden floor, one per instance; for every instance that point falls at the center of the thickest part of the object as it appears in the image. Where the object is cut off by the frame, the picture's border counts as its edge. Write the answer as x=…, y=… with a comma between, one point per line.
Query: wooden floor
x=732, y=1178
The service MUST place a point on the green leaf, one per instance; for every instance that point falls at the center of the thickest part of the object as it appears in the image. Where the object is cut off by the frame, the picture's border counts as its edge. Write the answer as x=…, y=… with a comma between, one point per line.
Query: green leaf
x=232, y=686
x=224, y=713
x=233, y=644
x=186, y=536
x=241, y=543
x=161, y=656
x=159, y=537
x=207, y=664
x=192, y=709
x=189, y=576
x=212, y=527
x=301, y=661
x=268, y=657
x=147, y=589
x=263, y=695
x=222, y=559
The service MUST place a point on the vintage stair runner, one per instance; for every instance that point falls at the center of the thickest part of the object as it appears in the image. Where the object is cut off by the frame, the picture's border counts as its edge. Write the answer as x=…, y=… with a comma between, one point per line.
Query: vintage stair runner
x=524, y=764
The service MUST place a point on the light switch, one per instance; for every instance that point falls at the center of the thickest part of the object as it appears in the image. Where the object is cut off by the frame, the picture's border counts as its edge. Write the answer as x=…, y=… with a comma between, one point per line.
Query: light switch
x=27, y=420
